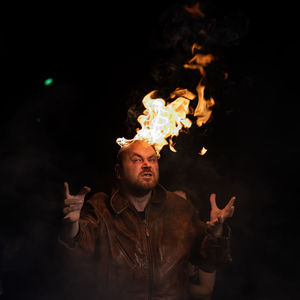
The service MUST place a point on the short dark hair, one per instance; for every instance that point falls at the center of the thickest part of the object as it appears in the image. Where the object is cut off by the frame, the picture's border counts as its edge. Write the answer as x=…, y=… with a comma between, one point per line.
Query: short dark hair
x=123, y=149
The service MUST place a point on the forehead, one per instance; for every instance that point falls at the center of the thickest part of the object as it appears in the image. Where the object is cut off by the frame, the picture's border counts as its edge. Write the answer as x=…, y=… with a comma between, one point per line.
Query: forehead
x=138, y=147
x=141, y=148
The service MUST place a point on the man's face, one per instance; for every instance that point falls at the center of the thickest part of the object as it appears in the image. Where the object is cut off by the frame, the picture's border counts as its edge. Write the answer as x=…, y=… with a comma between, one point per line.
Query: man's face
x=139, y=169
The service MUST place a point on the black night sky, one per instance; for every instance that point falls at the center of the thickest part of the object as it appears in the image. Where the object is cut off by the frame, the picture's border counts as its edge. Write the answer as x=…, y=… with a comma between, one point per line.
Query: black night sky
x=103, y=59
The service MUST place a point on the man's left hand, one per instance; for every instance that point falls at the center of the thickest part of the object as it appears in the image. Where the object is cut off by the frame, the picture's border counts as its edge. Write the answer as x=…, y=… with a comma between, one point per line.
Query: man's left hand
x=218, y=216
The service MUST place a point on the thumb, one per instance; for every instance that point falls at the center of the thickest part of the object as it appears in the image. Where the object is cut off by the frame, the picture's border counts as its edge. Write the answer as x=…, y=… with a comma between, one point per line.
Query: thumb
x=85, y=190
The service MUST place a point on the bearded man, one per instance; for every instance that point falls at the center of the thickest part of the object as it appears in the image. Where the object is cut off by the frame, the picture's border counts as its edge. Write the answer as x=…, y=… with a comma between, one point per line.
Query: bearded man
x=142, y=237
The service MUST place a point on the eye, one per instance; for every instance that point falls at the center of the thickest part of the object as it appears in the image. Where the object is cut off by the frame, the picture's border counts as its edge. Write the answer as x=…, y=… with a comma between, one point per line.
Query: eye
x=152, y=159
x=136, y=160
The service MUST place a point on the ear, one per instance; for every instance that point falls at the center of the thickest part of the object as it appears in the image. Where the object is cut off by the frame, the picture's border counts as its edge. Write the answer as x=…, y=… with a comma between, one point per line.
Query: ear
x=118, y=171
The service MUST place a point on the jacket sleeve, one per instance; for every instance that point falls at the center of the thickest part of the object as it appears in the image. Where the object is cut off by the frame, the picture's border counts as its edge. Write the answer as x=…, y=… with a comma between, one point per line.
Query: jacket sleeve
x=90, y=220
x=210, y=252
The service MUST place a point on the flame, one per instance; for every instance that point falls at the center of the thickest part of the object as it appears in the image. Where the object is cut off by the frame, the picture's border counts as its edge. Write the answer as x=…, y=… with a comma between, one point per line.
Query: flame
x=199, y=61
x=161, y=121
x=194, y=10
x=203, y=151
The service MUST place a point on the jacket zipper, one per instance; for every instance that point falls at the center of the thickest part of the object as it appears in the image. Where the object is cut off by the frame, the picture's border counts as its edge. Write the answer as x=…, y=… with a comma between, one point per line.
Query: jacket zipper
x=149, y=256
x=130, y=259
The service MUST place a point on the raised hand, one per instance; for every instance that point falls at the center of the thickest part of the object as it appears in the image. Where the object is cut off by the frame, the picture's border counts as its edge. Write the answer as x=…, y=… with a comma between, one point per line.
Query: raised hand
x=73, y=203
x=218, y=216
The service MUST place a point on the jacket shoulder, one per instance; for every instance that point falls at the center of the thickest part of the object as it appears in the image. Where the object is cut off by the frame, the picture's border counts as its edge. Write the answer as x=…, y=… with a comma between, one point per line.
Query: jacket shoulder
x=177, y=200
x=98, y=199
x=97, y=203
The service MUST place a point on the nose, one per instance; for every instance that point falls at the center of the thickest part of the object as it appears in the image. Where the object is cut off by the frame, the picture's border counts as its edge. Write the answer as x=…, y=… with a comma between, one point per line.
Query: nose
x=146, y=164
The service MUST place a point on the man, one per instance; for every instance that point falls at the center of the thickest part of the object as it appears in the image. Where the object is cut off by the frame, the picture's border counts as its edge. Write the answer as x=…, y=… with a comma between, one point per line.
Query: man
x=142, y=237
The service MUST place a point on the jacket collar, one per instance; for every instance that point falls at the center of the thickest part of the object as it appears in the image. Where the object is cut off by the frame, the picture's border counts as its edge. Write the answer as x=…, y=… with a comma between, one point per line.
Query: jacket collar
x=119, y=203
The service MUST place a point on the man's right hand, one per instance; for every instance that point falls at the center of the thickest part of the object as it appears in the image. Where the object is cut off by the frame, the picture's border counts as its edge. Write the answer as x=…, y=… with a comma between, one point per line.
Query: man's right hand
x=73, y=204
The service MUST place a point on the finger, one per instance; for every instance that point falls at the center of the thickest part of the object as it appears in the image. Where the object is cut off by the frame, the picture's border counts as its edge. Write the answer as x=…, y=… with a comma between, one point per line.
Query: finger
x=231, y=211
x=212, y=226
x=68, y=217
x=67, y=191
x=227, y=213
x=213, y=222
x=69, y=209
x=212, y=200
x=75, y=204
x=84, y=191
x=72, y=201
x=230, y=203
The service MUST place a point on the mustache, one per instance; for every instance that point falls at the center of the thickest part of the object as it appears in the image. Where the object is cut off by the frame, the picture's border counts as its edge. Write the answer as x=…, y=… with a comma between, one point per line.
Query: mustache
x=146, y=171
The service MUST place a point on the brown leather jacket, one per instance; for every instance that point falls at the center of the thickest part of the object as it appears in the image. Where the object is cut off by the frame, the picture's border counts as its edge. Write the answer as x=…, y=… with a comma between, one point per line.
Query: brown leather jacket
x=147, y=259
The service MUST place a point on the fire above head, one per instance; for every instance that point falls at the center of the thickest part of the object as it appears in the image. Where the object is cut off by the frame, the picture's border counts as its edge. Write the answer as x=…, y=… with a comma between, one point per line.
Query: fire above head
x=161, y=121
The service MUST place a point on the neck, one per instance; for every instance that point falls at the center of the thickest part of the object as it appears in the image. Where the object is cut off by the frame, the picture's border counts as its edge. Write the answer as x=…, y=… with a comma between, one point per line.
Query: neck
x=139, y=201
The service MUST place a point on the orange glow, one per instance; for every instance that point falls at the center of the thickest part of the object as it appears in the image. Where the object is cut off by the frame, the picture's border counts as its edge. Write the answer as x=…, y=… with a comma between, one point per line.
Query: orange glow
x=161, y=121
x=194, y=10
x=199, y=61
x=203, y=151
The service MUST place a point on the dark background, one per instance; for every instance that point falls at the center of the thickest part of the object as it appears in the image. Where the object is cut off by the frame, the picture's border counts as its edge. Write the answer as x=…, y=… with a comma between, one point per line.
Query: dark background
x=103, y=59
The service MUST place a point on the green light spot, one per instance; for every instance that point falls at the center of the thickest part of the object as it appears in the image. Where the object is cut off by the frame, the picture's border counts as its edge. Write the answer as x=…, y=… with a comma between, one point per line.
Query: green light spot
x=48, y=81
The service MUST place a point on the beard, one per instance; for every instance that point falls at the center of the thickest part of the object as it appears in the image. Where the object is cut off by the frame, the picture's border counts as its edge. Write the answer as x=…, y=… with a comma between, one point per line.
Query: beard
x=140, y=186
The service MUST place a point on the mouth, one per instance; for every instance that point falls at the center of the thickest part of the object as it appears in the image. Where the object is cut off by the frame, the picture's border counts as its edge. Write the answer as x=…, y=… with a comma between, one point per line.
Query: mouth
x=147, y=175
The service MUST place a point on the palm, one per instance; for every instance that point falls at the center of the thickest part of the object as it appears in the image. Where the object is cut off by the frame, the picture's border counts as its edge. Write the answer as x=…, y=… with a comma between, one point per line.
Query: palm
x=73, y=203
x=218, y=216
x=214, y=214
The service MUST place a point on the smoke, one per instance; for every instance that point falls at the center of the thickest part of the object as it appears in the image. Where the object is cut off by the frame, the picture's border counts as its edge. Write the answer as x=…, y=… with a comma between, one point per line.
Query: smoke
x=61, y=134
x=216, y=25
x=262, y=249
x=217, y=30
